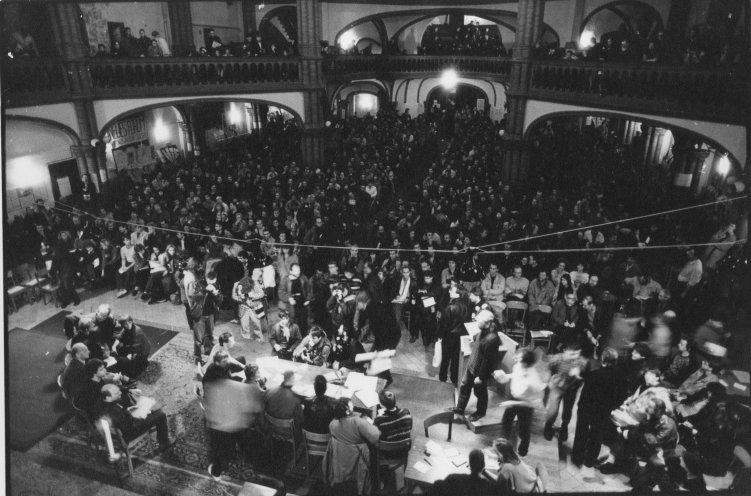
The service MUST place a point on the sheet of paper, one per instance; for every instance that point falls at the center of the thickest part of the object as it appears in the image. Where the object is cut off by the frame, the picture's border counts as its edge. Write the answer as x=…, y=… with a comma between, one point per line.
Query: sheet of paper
x=95, y=263
x=740, y=387
x=368, y=398
x=742, y=376
x=333, y=376
x=110, y=361
x=451, y=452
x=428, y=302
x=472, y=328
x=433, y=448
x=357, y=381
x=421, y=467
x=336, y=392
x=379, y=365
x=63, y=184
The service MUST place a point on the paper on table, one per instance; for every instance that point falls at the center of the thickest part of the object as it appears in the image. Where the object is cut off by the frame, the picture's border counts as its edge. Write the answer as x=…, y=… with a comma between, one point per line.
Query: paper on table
x=451, y=453
x=433, y=448
x=357, y=381
x=336, y=392
x=333, y=376
x=368, y=398
x=304, y=390
x=421, y=467
x=472, y=328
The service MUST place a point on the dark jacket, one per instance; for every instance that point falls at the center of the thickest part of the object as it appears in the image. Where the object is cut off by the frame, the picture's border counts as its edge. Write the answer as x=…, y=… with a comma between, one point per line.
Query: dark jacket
x=604, y=390
x=452, y=320
x=484, y=356
x=318, y=414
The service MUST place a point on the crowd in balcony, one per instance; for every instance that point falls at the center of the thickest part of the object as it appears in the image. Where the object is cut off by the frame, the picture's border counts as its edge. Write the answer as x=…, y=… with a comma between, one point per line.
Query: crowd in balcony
x=129, y=46
x=705, y=47
x=396, y=217
x=470, y=39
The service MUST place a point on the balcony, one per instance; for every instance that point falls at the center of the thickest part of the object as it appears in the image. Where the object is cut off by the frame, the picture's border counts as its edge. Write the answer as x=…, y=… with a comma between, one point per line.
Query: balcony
x=33, y=81
x=678, y=91
x=344, y=67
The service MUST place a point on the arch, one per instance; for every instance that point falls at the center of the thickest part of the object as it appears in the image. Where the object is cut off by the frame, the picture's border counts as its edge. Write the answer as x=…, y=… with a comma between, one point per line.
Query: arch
x=70, y=133
x=490, y=88
x=498, y=21
x=380, y=88
x=459, y=85
x=650, y=121
x=294, y=110
x=613, y=7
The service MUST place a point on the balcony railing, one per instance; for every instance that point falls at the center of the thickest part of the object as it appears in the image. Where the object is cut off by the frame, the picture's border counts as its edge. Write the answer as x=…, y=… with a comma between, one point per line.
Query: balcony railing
x=343, y=66
x=716, y=94
x=38, y=80
x=42, y=77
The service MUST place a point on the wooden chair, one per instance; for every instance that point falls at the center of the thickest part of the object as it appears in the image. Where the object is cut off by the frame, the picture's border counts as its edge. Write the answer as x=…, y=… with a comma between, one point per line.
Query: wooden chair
x=315, y=445
x=390, y=455
x=285, y=431
x=31, y=280
x=14, y=289
x=128, y=447
x=439, y=418
x=518, y=335
x=49, y=285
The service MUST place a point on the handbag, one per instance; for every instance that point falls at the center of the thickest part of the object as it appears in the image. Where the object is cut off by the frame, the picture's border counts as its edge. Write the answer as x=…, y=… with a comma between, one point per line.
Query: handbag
x=437, y=354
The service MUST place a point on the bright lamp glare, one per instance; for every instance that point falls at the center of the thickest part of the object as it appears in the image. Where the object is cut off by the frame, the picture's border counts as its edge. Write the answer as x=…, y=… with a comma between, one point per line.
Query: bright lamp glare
x=347, y=40
x=585, y=40
x=235, y=117
x=25, y=173
x=161, y=133
x=723, y=166
x=449, y=79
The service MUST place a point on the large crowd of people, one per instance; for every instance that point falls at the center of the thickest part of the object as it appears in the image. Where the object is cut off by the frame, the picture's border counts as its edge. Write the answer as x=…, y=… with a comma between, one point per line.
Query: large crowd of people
x=327, y=263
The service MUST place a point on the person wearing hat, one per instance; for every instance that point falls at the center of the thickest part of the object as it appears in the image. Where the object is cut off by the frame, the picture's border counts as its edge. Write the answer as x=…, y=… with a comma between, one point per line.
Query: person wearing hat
x=480, y=367
x=282, y=403
x=428, y=294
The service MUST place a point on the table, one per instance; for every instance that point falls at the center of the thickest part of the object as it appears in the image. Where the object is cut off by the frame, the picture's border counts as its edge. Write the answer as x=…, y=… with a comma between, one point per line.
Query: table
x=273, y=369
x=438, y=465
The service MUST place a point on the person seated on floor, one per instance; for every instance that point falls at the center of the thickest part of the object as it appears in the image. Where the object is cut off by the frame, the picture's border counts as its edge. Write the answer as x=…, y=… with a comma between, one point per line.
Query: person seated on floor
x=318, y=410
x=653, y=441
x=74, y=376
x=285, y=336
x=225, y=343
x=113, y=408
x=475, y=483
x=132, y=347
x=282, y=403
x=682, y=364
x=314, y=349
x=104, y=325
x=634, y=410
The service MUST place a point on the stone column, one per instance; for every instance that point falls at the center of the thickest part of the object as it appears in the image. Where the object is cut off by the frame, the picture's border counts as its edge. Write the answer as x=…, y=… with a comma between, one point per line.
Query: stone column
x=576, y=25
x=311, y=75
x=249, y=16
x=65, y=18
x=516, y=154
x=181, y=27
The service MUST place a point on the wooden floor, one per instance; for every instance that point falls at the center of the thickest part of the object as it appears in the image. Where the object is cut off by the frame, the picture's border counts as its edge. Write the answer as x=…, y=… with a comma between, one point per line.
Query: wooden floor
x=411, y=359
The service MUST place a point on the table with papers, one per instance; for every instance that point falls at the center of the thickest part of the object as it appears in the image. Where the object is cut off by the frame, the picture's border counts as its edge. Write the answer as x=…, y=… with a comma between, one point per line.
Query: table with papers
x=362, y=389
x=430, y=460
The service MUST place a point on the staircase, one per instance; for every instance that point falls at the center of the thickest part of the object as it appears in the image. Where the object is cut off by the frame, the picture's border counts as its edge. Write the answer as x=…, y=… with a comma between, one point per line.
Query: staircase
x=277, y=23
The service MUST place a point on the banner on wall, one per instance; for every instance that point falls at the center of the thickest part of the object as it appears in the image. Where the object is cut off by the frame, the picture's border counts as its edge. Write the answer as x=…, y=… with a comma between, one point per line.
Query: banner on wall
x=128, y=131
x=134, y=156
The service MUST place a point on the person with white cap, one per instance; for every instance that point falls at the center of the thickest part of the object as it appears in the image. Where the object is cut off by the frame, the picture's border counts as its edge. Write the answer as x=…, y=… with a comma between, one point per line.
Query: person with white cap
x=481, y=365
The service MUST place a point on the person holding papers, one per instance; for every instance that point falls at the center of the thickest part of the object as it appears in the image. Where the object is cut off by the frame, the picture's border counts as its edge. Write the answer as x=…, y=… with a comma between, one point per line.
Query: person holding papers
x=428, y=294
x=406, y=292
x=481, y=365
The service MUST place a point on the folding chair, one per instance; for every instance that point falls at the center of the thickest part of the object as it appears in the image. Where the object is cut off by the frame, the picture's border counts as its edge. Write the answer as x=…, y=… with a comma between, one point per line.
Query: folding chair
x=15, y=289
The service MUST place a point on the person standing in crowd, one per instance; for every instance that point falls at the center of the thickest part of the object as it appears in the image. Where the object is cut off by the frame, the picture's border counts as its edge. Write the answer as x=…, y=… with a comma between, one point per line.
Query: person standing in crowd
x=450, y=330
x=480, y=367
x=403, y=296
x=65, y=265
x=603, y=391
x=525, y=388
x=249, y=295
x=428, y=294
x=293, y=296
x=566, y=371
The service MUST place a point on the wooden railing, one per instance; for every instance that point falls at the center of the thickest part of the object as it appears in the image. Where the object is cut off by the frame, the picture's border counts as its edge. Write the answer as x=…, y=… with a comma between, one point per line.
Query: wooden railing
x=713, y=94
x=343, y=66
x=716, y=94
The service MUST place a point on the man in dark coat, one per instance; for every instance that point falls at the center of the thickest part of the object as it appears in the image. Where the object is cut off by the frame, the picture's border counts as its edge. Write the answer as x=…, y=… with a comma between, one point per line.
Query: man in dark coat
x=480, y=368
x=603, y=391
x=450, y=330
